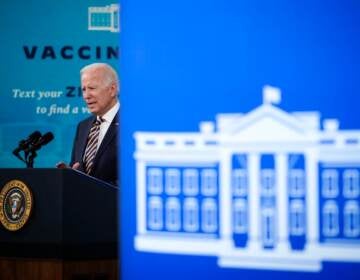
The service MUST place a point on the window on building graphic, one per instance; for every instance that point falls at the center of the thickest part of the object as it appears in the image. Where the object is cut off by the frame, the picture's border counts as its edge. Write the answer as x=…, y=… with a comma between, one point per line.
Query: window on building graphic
x=191, y=215
x=268, y=182
x=155, y=216
x=330, y=214
x=330, y=186
x=209, y=215
x=351, y=219
x=297, y=182
x=208, y=182
x=191, y=182
x=172, y=214
x=155, y=180
x=240, y=216
x=351, y=187
x=172, y=181
x=239, y=182
x=297, y=217
x=268, y=226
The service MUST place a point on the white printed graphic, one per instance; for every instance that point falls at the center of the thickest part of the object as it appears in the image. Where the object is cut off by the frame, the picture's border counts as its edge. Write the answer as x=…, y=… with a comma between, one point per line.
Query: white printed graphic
x=268, y=189
x=105, y=18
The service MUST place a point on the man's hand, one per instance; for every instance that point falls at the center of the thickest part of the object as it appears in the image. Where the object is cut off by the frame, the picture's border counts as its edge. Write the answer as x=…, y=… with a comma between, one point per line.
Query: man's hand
x=76, y=165
x=62, y=165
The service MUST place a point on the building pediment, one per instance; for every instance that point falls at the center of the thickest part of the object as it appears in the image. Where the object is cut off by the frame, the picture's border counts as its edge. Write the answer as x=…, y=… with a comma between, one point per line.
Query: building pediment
x=267, y=123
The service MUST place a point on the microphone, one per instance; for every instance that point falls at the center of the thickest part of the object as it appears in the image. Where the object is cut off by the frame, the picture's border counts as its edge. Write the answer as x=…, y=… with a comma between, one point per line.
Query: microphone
x=24, y=144
x=42, y=141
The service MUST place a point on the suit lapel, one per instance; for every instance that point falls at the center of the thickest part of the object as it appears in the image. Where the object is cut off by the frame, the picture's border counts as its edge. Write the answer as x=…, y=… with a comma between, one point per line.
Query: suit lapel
x=110, y=134
x=84, y=136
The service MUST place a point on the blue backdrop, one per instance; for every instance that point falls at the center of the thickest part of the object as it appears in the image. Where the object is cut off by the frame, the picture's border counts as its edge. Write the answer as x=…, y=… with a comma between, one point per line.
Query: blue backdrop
x=184, y=62
x=44, y=44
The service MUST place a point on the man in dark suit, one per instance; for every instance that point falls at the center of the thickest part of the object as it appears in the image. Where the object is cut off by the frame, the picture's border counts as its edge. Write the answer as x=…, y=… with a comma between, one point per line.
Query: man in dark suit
x=96, y=142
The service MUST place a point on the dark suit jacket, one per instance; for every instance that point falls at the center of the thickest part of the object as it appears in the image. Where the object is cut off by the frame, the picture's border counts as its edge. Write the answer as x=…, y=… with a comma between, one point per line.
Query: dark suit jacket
x=106, y=160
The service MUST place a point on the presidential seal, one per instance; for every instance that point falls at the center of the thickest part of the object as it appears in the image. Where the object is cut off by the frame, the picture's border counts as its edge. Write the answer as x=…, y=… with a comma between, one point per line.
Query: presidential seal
x=16, y=203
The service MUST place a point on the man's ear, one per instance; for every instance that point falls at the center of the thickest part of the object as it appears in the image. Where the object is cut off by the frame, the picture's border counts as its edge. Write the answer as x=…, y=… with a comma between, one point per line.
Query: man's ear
x=113, y=89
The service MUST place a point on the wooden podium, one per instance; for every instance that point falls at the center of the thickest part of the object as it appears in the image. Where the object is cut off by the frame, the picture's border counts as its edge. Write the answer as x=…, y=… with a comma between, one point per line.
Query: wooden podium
x=71, y=234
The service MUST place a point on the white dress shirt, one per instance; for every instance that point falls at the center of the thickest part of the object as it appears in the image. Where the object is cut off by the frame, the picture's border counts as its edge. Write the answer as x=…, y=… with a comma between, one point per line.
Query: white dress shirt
x=108, y=118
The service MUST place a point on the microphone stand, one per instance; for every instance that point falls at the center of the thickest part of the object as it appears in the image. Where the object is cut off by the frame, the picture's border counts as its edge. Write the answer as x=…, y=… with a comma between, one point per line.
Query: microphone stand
x=16, y=153
x=30, y=160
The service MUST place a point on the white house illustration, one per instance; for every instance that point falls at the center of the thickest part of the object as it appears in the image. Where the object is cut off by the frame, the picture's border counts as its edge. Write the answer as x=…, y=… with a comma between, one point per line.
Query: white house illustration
x=264, y=190
x=105, y=18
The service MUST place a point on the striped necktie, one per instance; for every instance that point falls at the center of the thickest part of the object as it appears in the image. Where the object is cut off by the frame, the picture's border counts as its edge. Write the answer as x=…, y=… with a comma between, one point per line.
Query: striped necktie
x=92, y=145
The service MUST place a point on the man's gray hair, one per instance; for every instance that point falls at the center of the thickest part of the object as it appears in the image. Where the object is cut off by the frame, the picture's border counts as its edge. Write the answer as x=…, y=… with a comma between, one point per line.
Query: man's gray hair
x=109, y=74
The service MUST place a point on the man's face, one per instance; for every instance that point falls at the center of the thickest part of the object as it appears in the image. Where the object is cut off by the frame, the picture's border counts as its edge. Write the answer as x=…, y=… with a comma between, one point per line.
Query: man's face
x=98, y=94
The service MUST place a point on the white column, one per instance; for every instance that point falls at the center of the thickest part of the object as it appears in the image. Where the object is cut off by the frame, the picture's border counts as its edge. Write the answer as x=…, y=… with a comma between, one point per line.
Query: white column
x=312, y=199
x=281, y=165
x=141, y=196
x=225, y=200
x=254, y=202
